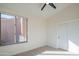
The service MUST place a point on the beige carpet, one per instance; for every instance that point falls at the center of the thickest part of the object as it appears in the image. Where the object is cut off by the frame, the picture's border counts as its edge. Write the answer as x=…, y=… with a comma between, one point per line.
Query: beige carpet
x=45, y=51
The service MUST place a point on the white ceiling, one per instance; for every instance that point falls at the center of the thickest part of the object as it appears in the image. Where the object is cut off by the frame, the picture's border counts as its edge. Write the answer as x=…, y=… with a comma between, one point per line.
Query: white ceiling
x=34, y=9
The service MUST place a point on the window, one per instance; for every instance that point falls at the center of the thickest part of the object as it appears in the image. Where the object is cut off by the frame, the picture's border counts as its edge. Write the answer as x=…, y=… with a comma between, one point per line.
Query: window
x=13, y=29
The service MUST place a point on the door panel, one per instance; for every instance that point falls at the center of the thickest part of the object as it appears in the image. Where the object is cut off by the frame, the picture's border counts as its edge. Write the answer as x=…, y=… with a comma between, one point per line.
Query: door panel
x=62, y=36
x=74, y=36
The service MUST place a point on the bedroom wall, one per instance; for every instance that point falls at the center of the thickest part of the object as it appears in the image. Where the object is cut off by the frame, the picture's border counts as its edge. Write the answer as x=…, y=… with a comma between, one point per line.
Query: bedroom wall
x=36, y=34
x=67, y=15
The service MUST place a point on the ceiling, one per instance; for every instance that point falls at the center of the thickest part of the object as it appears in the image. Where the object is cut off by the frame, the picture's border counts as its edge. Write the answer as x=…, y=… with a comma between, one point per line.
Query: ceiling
x=34, y=9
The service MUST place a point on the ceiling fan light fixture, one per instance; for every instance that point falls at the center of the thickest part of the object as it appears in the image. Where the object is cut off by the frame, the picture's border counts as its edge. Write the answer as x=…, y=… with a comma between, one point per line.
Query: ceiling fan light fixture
x=47, y=3
x=51, y=4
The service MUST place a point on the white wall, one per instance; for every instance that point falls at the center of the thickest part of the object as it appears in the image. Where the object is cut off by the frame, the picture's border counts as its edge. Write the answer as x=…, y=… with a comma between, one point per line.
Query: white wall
x=51, y=33
x=36, y=35
x=67, y=15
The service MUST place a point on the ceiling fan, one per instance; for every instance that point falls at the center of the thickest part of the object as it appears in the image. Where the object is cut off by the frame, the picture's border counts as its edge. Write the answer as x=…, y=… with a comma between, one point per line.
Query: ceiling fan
x=51, y=4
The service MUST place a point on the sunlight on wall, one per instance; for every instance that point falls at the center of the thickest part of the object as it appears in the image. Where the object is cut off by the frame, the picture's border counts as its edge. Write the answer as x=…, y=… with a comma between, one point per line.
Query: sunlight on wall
x=73, y=47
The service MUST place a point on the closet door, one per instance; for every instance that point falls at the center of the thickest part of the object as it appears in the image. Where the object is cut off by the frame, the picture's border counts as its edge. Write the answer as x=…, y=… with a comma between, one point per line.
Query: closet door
x=74, y=36
x=7, y=29
x=62, y=39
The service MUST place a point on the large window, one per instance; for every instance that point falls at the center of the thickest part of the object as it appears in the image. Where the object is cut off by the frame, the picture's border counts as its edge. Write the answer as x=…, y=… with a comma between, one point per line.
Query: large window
x=13, y=29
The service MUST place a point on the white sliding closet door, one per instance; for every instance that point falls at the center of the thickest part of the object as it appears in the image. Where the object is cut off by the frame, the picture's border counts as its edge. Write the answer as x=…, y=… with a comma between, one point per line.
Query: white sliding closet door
x=73, y=37
x=62, y=40
x=68, y=36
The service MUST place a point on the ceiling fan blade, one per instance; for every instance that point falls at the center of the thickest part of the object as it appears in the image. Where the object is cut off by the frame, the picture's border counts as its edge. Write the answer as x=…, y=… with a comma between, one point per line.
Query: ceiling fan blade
x=52, y=5
x=43, y=6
